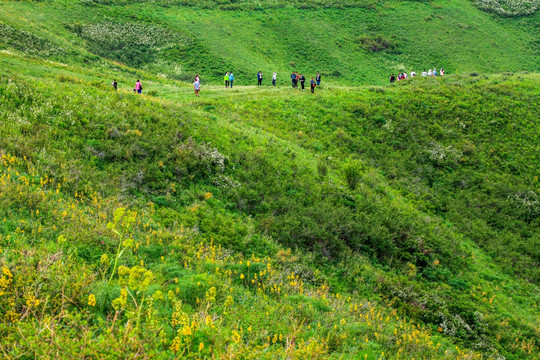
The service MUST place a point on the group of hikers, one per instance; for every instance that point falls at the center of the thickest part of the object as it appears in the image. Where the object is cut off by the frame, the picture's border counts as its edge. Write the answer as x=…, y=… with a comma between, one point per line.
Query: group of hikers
x=300, y=78
x=229, y=79
x=404, y=76
x=137, y=89
x=295, y=79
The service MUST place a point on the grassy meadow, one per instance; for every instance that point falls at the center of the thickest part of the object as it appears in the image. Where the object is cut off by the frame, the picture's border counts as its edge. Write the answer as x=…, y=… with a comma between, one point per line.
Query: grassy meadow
x=365, y=221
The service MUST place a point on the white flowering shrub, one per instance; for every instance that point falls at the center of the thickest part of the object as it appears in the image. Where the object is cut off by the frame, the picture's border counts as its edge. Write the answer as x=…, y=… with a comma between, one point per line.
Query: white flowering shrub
x=509, y=7
x=226, y=182
x=474, y=327
x=443, y=155
x=194, y=160
x=527, y=203
x=27, y=43
x=132, y=43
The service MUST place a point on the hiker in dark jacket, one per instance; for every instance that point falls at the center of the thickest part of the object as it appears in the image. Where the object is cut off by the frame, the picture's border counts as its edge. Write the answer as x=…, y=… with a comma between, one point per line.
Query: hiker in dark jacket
x=318, y=78
x=302, y=80
x=259, y=78
x=293, y=79
x=313, y=86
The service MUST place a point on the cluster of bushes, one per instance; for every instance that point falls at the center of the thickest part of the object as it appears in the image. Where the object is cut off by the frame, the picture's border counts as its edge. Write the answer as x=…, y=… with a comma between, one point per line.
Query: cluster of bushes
x=135, y=44
x=27, y=42
x=376, y=43
x=139, y=157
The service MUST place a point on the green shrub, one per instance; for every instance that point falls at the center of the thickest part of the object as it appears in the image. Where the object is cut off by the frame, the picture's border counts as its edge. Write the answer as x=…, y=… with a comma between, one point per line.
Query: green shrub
x=352, y=172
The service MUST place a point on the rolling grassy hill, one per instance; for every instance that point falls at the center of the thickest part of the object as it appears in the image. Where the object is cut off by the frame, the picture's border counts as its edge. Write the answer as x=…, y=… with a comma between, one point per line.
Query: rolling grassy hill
x=361, y=222
x=354, y=43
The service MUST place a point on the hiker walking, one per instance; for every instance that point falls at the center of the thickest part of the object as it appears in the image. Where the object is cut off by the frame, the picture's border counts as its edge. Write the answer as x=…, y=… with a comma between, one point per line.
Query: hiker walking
x=392, y=78
x=274, y=79
x=313, y=84
x=197, y=87
x=114, y=84
x=297, y=78
x=318, y=79
x=413, y=74
x=138, y=87
x=424, y=73
x=434, y=71
x=226, y=79
x=259, y=78
x=441, y=72
x=430, y=73
x=231, y=78
x=293, y=78
x=197, y=78
x=302, y=80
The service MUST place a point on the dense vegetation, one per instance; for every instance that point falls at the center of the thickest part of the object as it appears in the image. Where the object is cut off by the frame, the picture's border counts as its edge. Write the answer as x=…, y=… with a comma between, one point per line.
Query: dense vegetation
x=215, y=181
x=366, y=222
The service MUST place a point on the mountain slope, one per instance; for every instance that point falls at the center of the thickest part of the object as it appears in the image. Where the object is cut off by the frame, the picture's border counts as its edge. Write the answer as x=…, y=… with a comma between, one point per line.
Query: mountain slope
x=371, y=222
x=359, y=44
x=257, y=171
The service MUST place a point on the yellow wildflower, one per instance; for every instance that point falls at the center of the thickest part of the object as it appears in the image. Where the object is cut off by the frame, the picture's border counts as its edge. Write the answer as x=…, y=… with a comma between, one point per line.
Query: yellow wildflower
x=186, y=331
x=91, y=300
x=175, y=346
x=6, y=272
x=229, y=301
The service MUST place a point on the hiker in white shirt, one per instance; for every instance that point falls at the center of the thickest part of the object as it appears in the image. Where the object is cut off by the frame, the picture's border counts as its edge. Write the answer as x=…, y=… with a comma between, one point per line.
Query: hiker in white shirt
x=430, y=73
x=413, y=74
x=197, y=87
x=424, y=73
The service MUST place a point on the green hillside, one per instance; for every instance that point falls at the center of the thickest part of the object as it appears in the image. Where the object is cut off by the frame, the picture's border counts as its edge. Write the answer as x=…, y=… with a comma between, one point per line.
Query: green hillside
x=360, y=222
x=355, y=42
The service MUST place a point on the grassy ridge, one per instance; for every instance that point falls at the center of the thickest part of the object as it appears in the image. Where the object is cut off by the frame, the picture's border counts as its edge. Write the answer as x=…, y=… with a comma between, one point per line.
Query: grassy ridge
x=281, y=169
